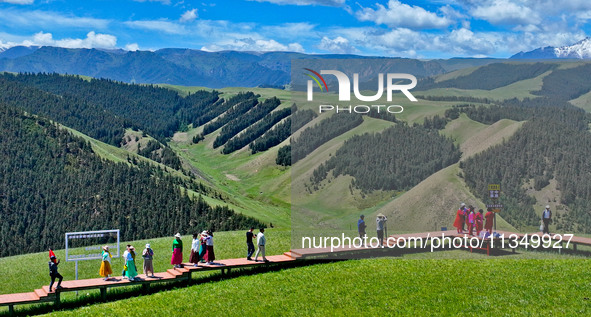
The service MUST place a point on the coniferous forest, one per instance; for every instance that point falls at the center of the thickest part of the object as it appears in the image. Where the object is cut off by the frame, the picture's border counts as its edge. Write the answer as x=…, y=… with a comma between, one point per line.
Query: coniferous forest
x=396, y=159
x=554, y=143
x=53, y=183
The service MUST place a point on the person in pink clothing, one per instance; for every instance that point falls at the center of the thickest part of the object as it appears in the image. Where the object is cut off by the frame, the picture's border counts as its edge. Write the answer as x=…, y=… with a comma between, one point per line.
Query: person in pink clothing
x=471, y=220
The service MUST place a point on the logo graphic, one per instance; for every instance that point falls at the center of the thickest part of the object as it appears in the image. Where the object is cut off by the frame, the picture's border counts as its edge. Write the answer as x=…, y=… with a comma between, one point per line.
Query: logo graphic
x=316, y=80
x=392, y=84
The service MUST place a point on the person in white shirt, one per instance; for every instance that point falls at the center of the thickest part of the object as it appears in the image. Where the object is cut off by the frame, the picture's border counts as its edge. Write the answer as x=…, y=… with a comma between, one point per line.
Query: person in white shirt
x=194, y=258
x=547, y=219
x=261, y=242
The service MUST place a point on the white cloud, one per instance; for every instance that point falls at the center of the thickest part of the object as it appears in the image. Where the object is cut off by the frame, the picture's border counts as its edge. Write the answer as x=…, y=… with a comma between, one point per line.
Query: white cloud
x=18, y=1
x=92, y=40
x=329, y=3
x=399, y=14
x=161, y=1
x=289, y=30
x=162, y=26
x=339, y=45
x=48, y=19
x=249, y=44
x=132, y=47
x=189, y=16
x=502, y=12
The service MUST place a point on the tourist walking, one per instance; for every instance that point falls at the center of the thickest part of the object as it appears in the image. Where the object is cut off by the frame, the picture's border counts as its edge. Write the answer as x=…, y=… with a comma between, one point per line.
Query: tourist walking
x=209, y=254
x=249, y=244
x=53, y=273
x=195, y=246
x=130, y=268
x=177, y=251
x=460, y=215
x=106, y=270
x=261, y=243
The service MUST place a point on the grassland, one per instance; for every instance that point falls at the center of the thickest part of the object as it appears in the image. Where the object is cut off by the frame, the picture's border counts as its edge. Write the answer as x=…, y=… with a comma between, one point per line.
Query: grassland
x=228, y=245
x=377, y=287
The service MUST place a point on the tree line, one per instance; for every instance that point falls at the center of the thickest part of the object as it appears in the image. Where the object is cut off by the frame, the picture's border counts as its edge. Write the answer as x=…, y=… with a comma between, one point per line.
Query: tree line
x=53, y=183
x=241, y=122
x=554, y=143
x=397, y=158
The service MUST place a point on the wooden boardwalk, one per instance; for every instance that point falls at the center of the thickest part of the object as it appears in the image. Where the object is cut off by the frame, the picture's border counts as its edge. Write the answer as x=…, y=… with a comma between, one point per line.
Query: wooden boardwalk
x=185, y=273
x=172, y=275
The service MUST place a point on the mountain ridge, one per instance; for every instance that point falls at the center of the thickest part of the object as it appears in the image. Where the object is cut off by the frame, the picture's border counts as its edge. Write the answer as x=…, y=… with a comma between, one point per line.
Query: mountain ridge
x=578, y=50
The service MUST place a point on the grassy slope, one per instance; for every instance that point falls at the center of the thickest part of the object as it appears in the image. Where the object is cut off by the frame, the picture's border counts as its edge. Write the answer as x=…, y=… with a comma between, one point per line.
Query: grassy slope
x=475, y=137
x=432, y=203
x=378, y=286
x=584, y=102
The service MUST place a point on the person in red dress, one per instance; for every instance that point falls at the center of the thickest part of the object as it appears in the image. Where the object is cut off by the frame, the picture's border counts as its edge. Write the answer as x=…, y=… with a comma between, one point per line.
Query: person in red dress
x=479, y=220
x=489, y=220
x=460, y=215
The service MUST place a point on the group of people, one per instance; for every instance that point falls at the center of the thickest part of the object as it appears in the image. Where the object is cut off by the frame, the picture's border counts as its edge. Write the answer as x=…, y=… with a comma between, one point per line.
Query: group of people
x=469, y=220
x=129, y=268
x=201, y=249
x=201, y=252
x=380, y=227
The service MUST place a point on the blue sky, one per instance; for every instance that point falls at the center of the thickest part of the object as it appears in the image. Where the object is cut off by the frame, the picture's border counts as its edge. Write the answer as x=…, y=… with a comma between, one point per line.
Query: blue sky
x=423, y=29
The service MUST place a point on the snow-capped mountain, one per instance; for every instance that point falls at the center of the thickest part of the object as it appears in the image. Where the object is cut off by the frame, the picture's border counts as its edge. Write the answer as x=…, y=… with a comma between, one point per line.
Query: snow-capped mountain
x=579, y=50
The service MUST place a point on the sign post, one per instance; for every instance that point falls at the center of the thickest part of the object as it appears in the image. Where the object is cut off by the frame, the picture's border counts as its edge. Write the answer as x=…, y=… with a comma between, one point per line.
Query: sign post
x=494, y=191
x=86, y=245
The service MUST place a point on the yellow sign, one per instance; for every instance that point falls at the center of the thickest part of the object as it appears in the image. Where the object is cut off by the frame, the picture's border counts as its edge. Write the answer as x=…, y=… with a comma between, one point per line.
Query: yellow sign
x=494, y=186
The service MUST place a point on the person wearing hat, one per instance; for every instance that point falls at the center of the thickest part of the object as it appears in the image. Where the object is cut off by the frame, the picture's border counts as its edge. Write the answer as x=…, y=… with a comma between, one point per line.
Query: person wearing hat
x=460, y=215
x=380, y=225
x=203, y=247
x=209, y=253
x=547, y=219
x=106, y=270
x=361, y=226
x=129, y=257
x=148, y=255
x=177, y=251
x=53, y=273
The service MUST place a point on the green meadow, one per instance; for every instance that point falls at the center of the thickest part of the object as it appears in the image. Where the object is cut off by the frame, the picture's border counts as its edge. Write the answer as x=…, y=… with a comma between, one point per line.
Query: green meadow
x=377, y=287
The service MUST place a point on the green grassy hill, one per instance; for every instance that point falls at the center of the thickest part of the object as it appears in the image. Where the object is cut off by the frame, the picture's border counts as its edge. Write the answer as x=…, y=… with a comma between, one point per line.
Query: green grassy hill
x=372, y=287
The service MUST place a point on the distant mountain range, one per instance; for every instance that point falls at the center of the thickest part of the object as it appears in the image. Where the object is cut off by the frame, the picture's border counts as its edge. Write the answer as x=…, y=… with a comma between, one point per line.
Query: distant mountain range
x=194, y=67
x=579, y=50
